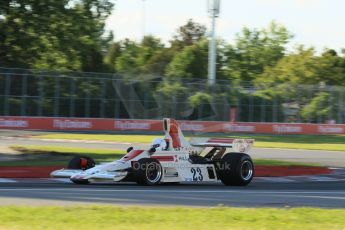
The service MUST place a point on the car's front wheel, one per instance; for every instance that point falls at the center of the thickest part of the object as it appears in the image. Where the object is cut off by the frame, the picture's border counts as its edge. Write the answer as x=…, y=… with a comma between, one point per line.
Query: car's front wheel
x=148, y=171
x=81, y=163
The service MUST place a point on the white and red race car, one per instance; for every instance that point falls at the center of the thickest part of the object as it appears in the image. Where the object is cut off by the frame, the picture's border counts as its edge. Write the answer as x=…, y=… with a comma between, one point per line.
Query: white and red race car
x=170, y=159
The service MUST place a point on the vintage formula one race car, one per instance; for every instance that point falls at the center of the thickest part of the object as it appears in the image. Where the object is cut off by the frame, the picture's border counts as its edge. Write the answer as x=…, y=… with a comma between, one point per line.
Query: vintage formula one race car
x=171, y=159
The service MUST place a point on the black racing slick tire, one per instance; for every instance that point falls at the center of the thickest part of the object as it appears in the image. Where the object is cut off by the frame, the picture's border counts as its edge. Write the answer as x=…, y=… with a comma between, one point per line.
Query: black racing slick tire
x=235, y=169
x=83, y=181
x=81, y=162
x=147, y=171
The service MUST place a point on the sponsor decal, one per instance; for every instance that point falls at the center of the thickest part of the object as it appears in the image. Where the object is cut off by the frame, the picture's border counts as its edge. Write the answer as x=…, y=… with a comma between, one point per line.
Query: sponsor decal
x=287, y=129
x=239, y=128
x=192, y=127
x=183, y=158
x=164, y=158
x=14, y=123
x=70, y=124
x=330, y=129
x=131, y=125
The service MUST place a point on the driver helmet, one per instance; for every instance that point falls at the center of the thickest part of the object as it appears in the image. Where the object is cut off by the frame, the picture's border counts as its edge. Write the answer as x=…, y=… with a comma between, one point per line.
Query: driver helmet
x=159, y=143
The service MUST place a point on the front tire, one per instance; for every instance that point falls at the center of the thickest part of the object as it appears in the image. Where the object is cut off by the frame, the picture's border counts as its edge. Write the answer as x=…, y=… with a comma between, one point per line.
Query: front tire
x=81, y=163
x=148, y=171
x=235, y=169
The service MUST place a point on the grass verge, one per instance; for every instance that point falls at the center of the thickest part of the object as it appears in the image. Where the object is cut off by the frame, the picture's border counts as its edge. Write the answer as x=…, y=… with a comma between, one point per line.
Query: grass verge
x=107, y=217
x=56, y=155
x=311, y=142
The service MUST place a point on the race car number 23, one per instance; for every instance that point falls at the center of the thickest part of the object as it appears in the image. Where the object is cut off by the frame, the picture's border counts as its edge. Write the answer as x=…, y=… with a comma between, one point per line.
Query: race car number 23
x=197, y=175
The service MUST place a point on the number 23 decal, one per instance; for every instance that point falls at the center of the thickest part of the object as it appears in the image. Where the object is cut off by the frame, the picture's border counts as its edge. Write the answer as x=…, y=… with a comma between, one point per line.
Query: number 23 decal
x=197, y=175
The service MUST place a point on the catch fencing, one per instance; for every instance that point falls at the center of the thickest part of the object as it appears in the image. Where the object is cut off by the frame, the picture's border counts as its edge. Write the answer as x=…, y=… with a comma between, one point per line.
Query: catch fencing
x=32, y=93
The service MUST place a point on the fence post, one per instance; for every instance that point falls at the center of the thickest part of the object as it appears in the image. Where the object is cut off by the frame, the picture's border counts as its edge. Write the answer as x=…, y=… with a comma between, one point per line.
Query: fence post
x=274, y=110
x=173, y=102
x=7, y=94
x=87, y=100
x=238, y=114
x=117, y=103
x=103, y=93
x=298, y=104
x=24, y=94
x=341, y=107
x=72, y=97
x=251, y=107
x=57, y=96
x=41, y=95
x=263, y=110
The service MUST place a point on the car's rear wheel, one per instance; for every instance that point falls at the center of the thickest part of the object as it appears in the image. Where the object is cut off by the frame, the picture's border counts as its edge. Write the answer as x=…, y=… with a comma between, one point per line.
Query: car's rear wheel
x=235, y=169
x=148, y=171
x=81, y=163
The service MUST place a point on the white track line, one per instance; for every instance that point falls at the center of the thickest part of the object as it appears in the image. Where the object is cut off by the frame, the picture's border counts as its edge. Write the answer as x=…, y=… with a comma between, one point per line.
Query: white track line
x=172, y=191
x=3, y=180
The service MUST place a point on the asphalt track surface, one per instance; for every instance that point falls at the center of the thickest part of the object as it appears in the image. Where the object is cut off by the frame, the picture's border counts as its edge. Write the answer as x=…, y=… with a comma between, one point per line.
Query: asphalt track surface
x=321, y=157
x=326, y=194
x=257, y=194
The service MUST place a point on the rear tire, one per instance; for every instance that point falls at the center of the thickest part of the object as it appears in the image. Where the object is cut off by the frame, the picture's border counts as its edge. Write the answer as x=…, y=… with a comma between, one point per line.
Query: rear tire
x=235, y=169
x=148, y=171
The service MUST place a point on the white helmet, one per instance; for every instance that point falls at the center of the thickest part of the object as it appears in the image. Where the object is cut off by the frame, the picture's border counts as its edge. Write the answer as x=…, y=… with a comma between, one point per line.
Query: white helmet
x=159, y=143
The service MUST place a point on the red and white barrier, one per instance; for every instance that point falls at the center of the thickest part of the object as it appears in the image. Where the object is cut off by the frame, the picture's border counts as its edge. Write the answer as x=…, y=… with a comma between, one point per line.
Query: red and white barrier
x=100, y=124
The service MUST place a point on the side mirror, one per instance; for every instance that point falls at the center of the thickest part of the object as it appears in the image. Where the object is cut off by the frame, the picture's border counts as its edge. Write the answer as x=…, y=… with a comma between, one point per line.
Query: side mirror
x=130, y=149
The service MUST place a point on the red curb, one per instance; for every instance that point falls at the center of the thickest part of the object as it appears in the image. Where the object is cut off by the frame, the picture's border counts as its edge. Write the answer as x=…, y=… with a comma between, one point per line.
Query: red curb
x=260, y=171
x=27, y=171
x=279, y=171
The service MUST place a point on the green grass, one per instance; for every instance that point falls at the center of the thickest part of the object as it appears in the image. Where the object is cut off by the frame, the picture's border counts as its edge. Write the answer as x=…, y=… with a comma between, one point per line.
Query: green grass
x=176, y=218
x=57, y=155
x=269, y=162
x=101, y=137
x=312, y=142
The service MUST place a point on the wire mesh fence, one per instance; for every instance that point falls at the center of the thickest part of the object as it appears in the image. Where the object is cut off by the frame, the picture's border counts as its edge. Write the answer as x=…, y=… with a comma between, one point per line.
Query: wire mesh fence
x=98, y=95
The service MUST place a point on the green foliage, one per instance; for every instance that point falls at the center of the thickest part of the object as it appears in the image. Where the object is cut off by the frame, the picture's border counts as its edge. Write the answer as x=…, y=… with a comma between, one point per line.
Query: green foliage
x=188, y=34
x=199, y=98
x=318, y=108
x=147, y=57
x=257, y=70
x=191, y=62
x=254, y=50
x=59, y=35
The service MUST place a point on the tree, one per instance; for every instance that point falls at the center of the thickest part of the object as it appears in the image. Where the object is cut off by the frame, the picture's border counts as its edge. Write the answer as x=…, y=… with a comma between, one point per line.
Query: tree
x=295, y=68
x=188, y=34
x=191, y=62
x=331, y=68
x=147, y=57
x=318, y=108
x=111, y=56
x=52, y=34
x=254, y=50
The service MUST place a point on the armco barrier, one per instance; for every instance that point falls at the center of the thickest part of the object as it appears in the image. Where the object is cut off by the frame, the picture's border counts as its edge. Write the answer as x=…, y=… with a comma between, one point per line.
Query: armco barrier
x=98, y=124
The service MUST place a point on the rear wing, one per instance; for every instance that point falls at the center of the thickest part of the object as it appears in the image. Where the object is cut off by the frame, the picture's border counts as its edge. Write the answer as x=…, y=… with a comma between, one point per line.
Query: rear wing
x=237, y=145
